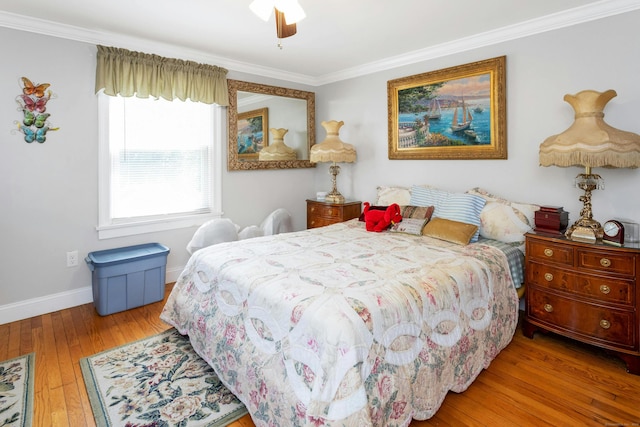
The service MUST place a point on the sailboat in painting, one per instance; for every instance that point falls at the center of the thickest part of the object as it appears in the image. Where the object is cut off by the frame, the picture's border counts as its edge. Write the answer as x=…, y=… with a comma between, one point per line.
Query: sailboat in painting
x=434, y=112
x=464, y=122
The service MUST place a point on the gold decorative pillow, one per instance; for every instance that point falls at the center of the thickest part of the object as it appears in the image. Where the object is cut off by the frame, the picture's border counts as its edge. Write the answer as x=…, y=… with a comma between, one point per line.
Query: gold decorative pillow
x=449, y=230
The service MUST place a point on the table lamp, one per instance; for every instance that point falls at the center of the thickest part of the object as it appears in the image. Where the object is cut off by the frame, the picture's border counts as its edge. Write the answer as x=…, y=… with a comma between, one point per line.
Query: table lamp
x=332, y=149
x=589, y=143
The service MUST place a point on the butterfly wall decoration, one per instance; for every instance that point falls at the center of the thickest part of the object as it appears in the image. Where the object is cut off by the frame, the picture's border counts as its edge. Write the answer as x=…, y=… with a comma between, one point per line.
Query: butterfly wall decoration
x=33, y=104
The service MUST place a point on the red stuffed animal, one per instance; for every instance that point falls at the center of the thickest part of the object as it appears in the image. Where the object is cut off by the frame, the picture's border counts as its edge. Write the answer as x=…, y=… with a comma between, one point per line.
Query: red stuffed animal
x=380, y=220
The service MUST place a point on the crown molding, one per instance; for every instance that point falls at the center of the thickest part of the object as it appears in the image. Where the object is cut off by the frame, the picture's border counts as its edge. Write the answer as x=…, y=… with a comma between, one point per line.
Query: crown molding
x=582, y=14
x=579, y=15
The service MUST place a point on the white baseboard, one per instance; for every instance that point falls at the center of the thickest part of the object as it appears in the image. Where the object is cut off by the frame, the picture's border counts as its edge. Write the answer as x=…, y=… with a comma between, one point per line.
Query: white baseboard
x=49, y=303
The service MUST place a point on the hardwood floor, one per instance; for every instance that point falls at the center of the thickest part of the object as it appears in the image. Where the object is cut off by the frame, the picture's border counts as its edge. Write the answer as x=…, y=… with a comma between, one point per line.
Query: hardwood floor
x=547, y=381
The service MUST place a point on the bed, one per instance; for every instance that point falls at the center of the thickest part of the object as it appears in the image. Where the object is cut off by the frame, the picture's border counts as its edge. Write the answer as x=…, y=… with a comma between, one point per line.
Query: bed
x=340, y=326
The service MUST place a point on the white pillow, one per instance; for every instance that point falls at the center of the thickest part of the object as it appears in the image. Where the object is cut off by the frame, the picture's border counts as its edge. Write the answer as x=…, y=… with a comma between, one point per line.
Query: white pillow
x=390, y=195
x=504, y=220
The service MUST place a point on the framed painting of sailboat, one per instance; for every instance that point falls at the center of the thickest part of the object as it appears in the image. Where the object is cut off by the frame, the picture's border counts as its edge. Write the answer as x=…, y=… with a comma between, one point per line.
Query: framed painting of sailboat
x=453, y=113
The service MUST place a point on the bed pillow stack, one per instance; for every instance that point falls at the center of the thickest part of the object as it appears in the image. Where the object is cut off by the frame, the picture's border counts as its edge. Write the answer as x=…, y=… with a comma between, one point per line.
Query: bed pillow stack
x=459, y=207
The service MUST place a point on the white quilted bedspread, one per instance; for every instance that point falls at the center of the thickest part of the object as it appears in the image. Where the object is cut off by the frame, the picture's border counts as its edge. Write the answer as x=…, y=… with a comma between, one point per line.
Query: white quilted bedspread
x=340, y=326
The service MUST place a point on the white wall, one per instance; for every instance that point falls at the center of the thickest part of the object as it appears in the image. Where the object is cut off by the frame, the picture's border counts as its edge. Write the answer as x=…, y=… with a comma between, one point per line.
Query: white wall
x=541, y=69
x=48, y=192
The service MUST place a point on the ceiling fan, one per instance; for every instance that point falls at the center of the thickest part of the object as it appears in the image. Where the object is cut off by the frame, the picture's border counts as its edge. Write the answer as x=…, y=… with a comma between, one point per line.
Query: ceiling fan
x=287, y=12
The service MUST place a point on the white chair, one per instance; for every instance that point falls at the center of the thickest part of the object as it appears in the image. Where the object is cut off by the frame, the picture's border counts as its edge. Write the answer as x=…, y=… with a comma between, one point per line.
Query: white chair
x=249, y=232
x=224, y=230
x=217, y=230
x=278, y=221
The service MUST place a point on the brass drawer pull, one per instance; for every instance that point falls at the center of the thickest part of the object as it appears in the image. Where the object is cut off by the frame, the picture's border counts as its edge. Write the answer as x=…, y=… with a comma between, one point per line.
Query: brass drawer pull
x=605, y=289
x=312, y=209
x=548, y=277
x=548, y=252
x=549, y=308
x=605, y=262
x=605, y=324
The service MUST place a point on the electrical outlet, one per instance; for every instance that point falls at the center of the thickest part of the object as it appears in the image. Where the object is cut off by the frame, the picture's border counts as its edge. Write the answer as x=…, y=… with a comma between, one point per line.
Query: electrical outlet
x=72, y=259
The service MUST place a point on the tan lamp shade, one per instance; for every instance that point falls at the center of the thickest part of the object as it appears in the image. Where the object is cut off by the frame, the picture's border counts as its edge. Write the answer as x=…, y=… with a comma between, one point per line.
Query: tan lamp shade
x=277, y=150
x=591, y=142
x=332, y=149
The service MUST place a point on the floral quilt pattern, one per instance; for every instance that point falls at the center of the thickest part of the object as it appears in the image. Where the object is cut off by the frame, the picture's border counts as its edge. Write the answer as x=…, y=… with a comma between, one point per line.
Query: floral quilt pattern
x=340, y=326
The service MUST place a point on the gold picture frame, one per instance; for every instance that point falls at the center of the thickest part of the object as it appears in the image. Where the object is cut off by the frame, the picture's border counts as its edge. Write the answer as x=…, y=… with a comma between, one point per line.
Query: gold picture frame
x=253, y=133
x=454, y=113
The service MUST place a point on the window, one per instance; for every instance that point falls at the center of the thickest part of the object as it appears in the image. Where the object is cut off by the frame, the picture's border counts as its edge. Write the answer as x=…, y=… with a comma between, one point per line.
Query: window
x=159, y=164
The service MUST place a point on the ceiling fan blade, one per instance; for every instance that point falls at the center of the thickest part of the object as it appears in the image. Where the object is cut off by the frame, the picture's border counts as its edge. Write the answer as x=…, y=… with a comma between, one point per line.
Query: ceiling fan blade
x=282, y=28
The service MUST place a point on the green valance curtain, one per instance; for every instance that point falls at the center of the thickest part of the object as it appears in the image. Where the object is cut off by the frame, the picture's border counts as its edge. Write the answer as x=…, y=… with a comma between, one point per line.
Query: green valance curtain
x=127, y=73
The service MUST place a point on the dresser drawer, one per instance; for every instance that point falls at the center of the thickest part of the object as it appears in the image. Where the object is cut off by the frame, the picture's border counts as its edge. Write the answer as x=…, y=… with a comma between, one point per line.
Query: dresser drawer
x=547, y=276
x=607, y=262
x=597, y=288
x=313, y=222
x=326, y=211
x=549, y=252
x=591, y=322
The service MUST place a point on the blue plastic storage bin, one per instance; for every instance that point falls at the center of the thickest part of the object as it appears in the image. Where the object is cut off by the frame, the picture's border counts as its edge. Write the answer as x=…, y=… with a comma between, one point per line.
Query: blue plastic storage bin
x=128, y=277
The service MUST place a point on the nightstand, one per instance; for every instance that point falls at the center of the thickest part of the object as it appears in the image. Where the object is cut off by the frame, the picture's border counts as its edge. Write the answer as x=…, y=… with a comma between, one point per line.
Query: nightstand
x=588, y=292
x=321, y=213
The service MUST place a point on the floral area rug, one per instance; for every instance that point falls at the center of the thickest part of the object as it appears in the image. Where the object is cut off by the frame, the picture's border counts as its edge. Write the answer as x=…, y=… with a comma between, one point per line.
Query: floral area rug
x=158, y=381
x=16, y=391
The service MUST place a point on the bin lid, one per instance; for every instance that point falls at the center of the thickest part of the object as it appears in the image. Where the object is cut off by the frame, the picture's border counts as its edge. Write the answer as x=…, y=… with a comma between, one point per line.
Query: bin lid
x=126, y=254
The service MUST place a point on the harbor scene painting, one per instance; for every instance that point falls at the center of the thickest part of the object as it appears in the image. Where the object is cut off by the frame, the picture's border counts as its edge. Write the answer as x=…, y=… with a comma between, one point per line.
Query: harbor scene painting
x=453, y=113
x=457, y=113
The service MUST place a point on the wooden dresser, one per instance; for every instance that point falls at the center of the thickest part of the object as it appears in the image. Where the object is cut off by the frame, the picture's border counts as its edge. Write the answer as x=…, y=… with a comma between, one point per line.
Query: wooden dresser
x=324, y=213
x=588, y=292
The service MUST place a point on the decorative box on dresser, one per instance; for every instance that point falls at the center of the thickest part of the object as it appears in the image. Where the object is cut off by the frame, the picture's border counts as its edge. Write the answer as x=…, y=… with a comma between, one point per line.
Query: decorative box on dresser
x=320, y=213
x=585, y=291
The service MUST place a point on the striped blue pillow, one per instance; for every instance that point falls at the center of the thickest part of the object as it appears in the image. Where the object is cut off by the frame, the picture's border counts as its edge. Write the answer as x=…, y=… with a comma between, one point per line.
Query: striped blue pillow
x=427, y=196
x=454, y=206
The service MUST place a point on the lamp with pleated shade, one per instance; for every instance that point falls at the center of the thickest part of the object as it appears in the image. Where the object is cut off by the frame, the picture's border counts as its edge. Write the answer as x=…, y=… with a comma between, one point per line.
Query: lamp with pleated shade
x=332, y=149
x=590, y=143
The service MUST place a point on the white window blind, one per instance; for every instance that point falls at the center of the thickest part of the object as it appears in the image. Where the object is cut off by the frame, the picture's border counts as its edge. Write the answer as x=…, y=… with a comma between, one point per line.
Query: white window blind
x=159, y=161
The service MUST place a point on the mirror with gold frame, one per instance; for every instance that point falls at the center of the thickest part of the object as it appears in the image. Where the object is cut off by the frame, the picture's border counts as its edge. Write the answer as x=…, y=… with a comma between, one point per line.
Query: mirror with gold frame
x=268, y=107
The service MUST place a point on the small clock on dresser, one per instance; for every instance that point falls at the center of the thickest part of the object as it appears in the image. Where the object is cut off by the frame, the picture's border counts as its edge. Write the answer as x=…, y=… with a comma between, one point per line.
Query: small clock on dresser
x=613, y=232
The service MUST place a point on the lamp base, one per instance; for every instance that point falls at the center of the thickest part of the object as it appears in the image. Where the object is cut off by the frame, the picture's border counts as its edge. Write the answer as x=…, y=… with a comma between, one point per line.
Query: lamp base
x=581, y=234
x=334, y=198
x=586, y=229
